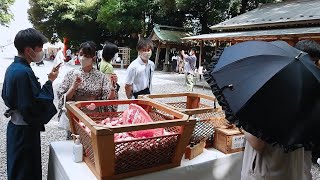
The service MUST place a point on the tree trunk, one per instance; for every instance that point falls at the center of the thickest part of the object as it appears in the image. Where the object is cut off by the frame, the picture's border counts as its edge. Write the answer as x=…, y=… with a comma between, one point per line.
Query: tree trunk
x=244, y=4
x=204, y=24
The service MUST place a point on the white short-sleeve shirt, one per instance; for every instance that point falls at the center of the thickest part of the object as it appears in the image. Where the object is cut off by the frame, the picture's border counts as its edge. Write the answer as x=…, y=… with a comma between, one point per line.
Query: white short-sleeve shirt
x=138, y=74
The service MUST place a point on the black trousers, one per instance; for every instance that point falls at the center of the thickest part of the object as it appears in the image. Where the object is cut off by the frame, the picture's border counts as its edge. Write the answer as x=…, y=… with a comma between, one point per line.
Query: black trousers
x=23, y=153
x=174, y=65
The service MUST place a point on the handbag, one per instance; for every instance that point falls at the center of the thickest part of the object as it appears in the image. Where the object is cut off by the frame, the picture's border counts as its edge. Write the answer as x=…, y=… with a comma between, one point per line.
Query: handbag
x=142, y=92
x=63, y=120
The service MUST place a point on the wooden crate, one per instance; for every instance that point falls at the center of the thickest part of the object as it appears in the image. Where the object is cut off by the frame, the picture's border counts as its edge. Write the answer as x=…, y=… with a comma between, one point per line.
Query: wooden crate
x=208, y=116
x=229, y=140
x=109, y=159
x=124, y=52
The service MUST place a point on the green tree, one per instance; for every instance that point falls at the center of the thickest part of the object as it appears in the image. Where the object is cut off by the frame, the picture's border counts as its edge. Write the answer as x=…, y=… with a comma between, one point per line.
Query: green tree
x=73, y=19
x=138, y=16
x=247, y=5
x=5, y=14
x=166, y=12
x=208, y=12
x=121, y=20
x=126, y=16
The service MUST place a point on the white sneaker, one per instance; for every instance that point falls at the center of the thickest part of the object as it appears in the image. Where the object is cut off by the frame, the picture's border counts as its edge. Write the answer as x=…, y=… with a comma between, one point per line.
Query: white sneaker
x=318, y=161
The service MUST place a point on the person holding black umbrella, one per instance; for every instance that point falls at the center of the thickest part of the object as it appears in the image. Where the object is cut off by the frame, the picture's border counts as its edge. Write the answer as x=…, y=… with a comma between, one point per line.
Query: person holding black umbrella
x=301, y=156
x=313, y=49
x=270, y=90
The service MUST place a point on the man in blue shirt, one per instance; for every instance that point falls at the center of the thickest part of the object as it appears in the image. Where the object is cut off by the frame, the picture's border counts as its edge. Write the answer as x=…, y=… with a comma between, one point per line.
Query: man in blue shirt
x=30, y=107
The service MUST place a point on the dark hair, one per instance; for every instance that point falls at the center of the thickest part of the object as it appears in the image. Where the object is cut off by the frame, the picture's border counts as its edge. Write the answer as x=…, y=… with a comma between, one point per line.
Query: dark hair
x=311, y=47
x=194, y=50
x=144, y=43
x=88, y=48
x=109, y=50
x=29, y=38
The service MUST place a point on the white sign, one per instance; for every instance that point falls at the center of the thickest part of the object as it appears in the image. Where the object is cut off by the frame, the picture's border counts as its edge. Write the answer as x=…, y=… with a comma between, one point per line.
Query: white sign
x=238, y=142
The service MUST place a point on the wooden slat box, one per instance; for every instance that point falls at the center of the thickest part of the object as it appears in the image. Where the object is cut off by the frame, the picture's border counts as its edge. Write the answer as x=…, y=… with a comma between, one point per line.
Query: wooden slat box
x=229, y=140
x=199, y=106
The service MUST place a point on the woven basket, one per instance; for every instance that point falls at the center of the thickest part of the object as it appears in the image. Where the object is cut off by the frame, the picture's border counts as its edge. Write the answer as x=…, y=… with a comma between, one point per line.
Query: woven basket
x=109, y=159
x=200, y=106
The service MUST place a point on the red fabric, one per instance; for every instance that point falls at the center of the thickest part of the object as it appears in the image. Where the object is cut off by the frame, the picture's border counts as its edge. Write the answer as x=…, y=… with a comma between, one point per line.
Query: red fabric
x=134, y=115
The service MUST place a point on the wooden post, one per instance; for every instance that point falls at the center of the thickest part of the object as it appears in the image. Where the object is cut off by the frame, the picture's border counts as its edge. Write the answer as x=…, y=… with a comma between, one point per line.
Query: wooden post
x=104, y=155
x=167, y=54
x=183, y=142
x=215, y=47
x=157, y=55
x=200, y=56
x=193, y=102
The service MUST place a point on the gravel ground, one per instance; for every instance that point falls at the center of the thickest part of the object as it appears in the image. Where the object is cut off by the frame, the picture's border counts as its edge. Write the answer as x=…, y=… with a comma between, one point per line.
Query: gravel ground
x=164, y=83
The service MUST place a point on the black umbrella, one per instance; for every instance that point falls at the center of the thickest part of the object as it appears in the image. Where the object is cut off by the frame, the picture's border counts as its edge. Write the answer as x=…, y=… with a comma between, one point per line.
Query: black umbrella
x=272, y=90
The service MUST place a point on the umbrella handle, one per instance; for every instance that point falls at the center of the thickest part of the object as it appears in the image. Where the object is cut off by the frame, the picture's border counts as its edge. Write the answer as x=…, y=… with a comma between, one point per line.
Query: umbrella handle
x=299, y=55
x=230, y=86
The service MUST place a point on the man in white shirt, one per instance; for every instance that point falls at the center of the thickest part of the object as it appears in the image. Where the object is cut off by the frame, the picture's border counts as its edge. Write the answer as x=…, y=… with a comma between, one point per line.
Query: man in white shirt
x=174, y=60
x=139, y=72
x=189, y=67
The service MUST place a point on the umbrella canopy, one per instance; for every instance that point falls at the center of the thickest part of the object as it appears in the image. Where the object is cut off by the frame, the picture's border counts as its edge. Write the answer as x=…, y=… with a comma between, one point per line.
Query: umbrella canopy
x=272, y=90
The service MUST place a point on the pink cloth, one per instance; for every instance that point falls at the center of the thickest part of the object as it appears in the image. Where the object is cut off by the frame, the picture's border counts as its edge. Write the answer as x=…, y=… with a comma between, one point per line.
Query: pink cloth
x=134, y=115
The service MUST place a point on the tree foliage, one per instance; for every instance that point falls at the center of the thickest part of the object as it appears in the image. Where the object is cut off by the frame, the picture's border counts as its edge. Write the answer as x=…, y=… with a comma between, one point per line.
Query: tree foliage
x=74, y=19
x=208, y=12
x=138, y=16
x=122, y=20
x=5, y=14
x=123, y=16
x=247, y=5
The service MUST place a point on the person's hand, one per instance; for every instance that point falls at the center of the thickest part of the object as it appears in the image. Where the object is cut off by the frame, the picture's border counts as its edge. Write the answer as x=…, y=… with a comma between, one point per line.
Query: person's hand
x=76, y=82
x=114, y=79
x=53, y=74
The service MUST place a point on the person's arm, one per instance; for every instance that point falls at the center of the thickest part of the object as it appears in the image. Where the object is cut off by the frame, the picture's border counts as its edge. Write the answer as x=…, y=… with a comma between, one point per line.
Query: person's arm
x=183, y=54
x=73, y=88
x=129, y=82
x=66, y=88
x=255, y=142
x=153, y=67
x=35, y=103
x=108, y=90
x=128, y=89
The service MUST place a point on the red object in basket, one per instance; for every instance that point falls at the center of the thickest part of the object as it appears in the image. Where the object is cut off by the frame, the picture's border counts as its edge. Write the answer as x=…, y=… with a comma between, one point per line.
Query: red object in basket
x=135, y=115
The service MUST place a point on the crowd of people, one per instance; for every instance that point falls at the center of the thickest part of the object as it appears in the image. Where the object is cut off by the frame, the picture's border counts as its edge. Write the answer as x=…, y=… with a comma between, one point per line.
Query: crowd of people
x=31, y=106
